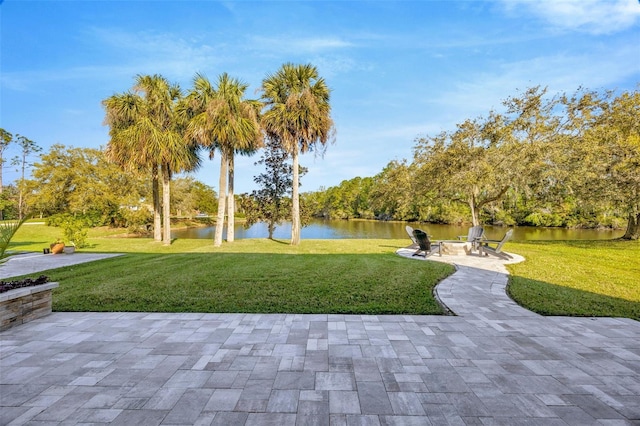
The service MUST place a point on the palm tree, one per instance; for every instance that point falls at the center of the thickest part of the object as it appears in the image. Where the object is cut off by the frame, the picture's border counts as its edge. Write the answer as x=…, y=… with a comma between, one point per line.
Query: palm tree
x=123, y=112
x=226, y=122
x=146, y=133
x=299, y=116
x=250, y=109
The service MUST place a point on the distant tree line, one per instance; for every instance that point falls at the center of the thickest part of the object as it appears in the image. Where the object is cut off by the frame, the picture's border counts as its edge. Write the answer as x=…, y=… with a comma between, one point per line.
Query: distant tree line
x=569, y=160
x=82, y=183
x=564, y=160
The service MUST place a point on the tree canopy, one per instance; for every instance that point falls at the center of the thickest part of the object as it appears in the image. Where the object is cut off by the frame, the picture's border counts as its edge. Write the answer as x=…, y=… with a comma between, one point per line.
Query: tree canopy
x=544, y=159
x=561, y=160
x=81, y=181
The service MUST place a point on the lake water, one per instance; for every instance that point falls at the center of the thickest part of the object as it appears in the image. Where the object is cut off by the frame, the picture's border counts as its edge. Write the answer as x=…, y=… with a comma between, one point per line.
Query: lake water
x=339, y=229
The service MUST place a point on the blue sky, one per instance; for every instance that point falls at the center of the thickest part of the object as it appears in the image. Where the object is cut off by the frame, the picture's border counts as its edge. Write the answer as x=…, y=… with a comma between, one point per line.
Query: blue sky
x=398, y=70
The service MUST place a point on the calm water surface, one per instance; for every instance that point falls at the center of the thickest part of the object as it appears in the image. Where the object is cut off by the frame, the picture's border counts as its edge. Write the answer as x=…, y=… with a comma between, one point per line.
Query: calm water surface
x=338, y=229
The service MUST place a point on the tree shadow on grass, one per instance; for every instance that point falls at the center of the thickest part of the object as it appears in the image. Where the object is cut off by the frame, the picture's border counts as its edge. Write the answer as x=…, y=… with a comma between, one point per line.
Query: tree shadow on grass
x=552, y=299
x=283, y=242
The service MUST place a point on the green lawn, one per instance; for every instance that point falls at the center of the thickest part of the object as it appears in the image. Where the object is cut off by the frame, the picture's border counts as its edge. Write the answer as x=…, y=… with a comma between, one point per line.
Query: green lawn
x=319, y=276
x=583, y=278
x=578, y=278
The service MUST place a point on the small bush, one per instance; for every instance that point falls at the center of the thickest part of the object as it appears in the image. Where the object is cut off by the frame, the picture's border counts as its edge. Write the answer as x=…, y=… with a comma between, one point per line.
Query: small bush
x=90, y=219
x=57, y=219
x=75, y=232
x=544, y=219
x=504, y=218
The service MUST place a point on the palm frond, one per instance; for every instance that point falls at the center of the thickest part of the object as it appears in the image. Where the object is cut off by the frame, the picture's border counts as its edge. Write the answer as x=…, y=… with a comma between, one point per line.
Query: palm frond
x=7, y=230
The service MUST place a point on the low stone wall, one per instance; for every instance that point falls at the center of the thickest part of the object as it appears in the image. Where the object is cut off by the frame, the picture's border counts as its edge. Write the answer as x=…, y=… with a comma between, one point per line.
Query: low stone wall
x=25, y=304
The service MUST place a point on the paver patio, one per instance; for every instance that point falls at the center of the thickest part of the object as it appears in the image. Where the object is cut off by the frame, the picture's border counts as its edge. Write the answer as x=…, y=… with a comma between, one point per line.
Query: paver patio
x=31, y=263
x=494, y=363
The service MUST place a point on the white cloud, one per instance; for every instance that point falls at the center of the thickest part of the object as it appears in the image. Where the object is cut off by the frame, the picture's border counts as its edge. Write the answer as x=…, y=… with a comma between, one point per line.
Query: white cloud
x=332, y=65
x=298, y=45
x=165, y=52
x=592, y=16
x=601, y=68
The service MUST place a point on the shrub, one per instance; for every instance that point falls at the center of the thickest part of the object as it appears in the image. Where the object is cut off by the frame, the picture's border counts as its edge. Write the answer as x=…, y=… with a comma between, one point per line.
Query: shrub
x=504, y=218
x=89, y=219
x=57, y=219
x=544, y=219
x=75, y=232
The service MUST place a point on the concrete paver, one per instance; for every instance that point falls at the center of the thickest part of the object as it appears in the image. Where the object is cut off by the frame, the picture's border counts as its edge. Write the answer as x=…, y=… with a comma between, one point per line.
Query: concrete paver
x=30, y=263
x=492, y=363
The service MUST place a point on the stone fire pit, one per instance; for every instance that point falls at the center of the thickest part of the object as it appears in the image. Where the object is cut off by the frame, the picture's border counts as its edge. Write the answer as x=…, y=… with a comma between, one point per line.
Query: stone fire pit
x=455, y=248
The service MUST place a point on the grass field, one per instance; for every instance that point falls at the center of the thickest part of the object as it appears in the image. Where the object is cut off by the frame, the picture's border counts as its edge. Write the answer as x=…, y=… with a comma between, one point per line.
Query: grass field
x=319, y=276
x=583, y=278
x=579, y=278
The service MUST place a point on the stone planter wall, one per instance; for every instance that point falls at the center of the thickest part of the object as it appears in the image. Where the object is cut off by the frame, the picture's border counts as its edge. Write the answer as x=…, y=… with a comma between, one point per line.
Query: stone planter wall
x=25, y=304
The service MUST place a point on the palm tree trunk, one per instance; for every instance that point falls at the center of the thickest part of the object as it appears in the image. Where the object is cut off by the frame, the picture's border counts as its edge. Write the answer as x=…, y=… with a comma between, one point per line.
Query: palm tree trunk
x=231, y=203
x=166, y=204
x=217, y=239
x=157, y=218
x=295, y=198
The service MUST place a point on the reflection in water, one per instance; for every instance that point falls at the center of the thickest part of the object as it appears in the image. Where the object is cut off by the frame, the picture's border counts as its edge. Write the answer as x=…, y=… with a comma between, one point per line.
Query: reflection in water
x=339, y=229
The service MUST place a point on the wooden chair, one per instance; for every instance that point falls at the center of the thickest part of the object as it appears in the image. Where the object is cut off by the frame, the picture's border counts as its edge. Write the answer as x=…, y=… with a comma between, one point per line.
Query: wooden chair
x=425, y=246
x=485, y=248
x=414, y=242
x=474, y=237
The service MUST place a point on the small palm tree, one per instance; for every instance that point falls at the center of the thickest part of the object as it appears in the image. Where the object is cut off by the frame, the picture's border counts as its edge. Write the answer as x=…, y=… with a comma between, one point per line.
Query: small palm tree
x=298, y=115
x=225, y=122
